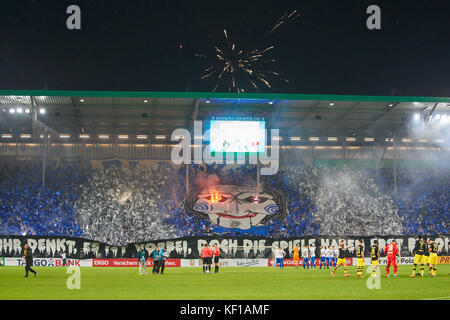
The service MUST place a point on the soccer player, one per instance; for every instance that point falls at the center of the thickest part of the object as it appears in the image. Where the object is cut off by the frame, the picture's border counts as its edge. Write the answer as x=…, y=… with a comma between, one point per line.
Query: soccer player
x=335, y=255
x=312, y=254
x=216, y=254
x=323, y=257
x=341, y=259
x=360, y=256
x=418, y=253
x=28, y=257
x=142, y=260
x=296, y=255
x=432, y=260
x=426, y=254
x=330, y=256
x=305, y=256
x=329, y=253
x=391, y=251
x=206, y=254
x=156, y=260
x=279, y=257
x=375, y=257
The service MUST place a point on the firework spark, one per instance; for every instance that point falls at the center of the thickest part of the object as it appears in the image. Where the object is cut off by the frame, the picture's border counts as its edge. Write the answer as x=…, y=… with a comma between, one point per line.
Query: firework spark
x=236, y=69
x=287, y=18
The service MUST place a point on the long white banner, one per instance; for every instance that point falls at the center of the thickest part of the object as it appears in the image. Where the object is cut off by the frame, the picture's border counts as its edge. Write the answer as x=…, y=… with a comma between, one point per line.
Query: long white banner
x=184, y=263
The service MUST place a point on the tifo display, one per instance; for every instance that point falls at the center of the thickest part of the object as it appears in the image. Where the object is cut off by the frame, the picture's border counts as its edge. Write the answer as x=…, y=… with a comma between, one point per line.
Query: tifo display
x=125, y=201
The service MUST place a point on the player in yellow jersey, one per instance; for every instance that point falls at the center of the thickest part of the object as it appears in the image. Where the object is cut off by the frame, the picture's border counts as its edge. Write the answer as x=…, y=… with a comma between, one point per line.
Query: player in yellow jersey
x=418, y=253
x=343, y=251
x=375, y=257
x=296, y=251
x=433, y=259
x=360, y=256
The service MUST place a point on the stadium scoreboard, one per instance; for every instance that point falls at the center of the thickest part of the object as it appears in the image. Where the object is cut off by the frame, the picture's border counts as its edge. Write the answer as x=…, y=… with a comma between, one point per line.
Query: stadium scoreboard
x=237, y=135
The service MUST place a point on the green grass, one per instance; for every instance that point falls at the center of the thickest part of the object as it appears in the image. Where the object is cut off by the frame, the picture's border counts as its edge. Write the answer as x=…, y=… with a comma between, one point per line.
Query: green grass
x=229, y=284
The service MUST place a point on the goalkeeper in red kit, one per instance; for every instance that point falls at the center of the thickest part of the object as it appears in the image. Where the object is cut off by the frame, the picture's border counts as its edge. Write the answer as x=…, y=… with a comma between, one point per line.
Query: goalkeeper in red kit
x=391, y=252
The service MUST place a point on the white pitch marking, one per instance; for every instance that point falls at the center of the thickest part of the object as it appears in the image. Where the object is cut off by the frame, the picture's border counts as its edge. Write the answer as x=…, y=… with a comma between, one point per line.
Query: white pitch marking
x=438, y=298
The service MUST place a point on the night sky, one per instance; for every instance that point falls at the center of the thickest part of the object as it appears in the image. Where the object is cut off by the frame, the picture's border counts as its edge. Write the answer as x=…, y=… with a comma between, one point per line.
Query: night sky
x=150, y=45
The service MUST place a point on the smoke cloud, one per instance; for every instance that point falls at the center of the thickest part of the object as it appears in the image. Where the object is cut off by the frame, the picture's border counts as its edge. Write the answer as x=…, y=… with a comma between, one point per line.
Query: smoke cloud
x=206, y=181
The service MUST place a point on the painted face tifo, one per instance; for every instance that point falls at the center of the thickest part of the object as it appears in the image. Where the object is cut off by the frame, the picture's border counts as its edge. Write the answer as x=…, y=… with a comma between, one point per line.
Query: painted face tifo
x=236, y=207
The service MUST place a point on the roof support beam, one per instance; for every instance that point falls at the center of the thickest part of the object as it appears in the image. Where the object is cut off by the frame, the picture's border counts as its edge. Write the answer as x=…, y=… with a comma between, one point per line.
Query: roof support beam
x=305, y=117
x=193, y=116
x=274, y=114
x=310, y=110
x=376, y=117
x=77, y=114
x=38, y=125
x=194, y=113
x=347, y=112
x=431, y=113
x=325, y=132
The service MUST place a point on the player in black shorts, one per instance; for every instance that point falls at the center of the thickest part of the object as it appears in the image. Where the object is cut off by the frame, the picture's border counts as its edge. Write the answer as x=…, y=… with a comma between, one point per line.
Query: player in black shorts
x=206, y=255
x=216, y=254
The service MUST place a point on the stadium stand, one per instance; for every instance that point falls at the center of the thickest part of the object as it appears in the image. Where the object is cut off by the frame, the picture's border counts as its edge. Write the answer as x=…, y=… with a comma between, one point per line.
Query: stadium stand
x=119, y=205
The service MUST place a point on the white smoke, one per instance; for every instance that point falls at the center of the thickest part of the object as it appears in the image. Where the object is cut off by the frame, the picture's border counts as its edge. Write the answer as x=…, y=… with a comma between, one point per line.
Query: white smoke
x=347, y=203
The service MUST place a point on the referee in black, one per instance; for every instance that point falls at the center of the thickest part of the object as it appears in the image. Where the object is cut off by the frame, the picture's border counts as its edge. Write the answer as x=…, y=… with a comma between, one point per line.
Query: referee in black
x=28, y=257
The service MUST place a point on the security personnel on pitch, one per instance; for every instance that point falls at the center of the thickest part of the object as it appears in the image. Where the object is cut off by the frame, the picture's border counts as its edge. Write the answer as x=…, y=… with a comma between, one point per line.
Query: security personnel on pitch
x=28, y=257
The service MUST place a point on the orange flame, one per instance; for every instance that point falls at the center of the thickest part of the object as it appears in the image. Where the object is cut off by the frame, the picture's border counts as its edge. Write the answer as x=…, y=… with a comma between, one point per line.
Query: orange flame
x=215, y=197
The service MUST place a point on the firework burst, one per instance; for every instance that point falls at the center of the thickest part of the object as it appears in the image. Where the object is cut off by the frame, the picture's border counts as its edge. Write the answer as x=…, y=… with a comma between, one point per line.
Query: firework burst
x=237, y=70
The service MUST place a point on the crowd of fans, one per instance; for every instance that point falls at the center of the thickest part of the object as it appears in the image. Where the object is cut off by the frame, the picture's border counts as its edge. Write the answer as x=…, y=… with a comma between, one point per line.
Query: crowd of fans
x=336, y=202
x=28, y=207
x=120, y=204
x=424, y=201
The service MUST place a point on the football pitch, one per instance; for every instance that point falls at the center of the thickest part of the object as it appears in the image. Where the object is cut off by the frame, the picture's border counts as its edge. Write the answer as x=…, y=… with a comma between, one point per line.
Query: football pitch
x=230, y=284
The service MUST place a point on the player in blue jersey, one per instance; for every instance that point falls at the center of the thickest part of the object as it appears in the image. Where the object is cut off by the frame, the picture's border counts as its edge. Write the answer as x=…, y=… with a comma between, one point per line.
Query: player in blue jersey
x=323, y=257
x=329, y=253
x=305, y=256
x=333, y=257
x=279, y=257
x=312, y=255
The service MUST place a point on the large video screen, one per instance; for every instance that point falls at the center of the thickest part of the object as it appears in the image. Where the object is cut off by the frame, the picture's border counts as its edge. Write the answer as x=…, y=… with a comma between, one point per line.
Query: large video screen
x=237, y=136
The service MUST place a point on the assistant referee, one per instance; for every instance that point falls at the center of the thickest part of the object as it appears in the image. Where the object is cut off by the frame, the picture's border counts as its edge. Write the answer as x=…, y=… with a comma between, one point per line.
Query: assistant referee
x=216, y=254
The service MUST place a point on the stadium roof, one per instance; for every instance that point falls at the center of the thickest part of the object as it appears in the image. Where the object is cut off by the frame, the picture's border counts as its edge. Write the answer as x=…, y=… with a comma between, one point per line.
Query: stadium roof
x=159, y=113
